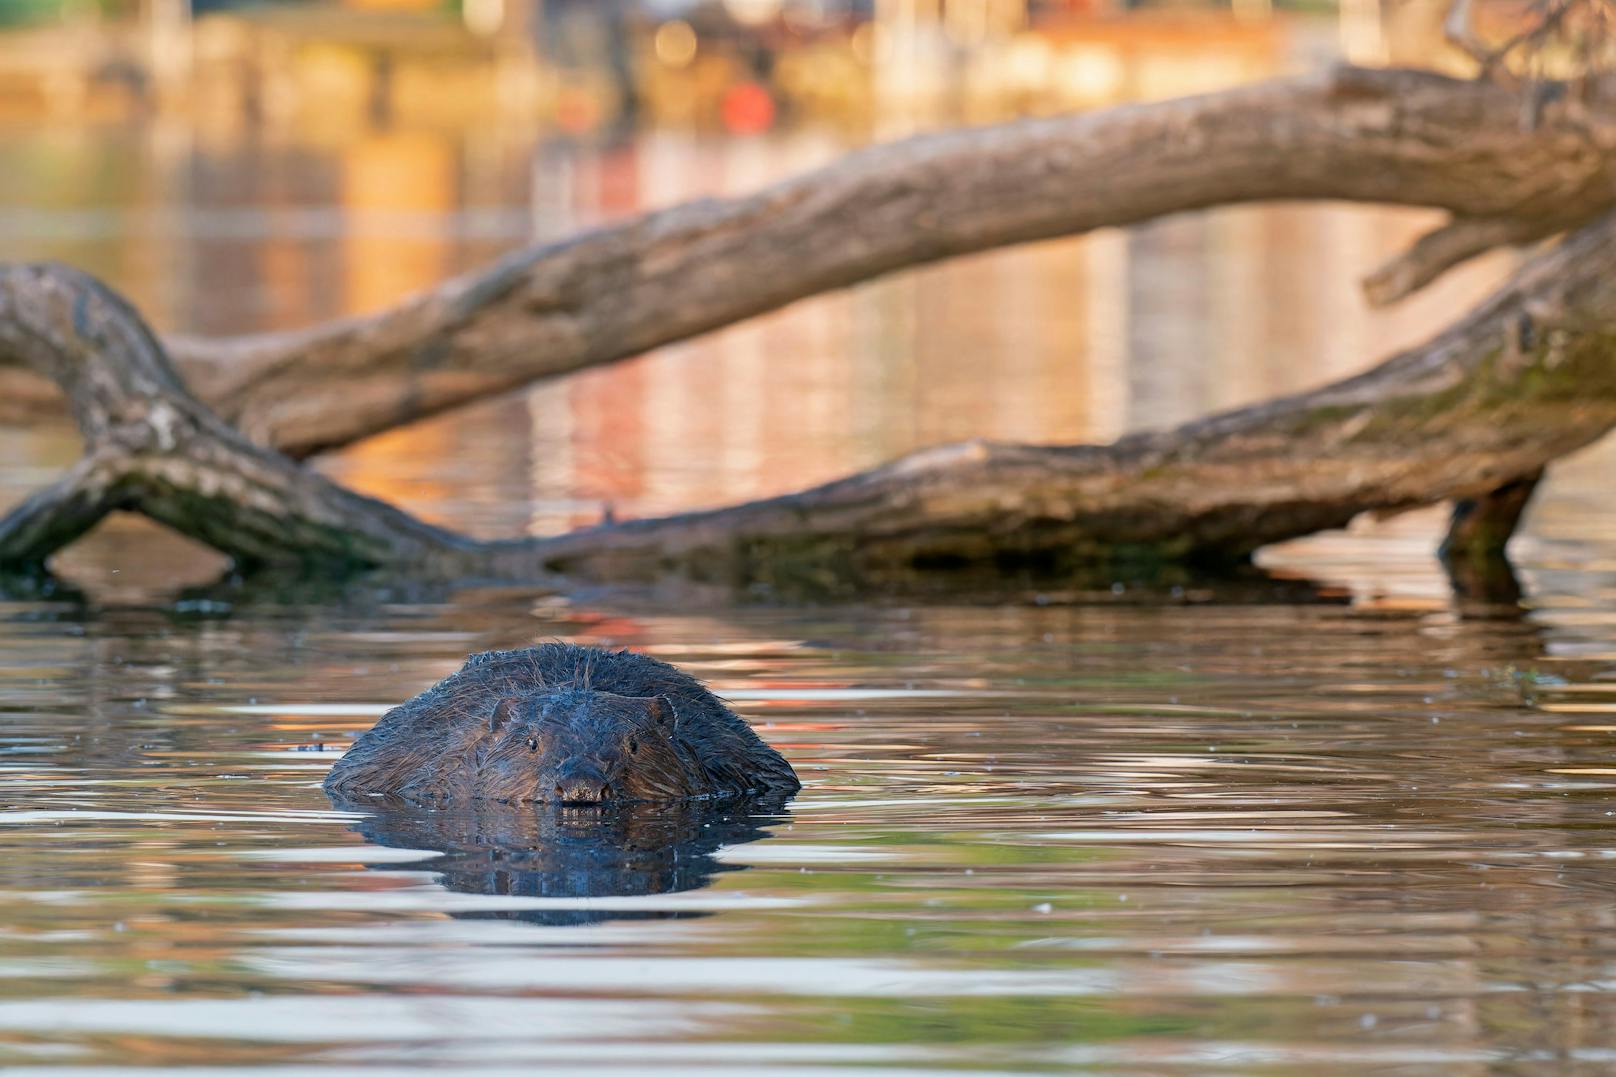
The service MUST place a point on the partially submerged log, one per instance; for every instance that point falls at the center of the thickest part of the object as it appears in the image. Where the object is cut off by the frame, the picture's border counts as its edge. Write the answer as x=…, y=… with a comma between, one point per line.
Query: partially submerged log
x=151, y=447
x=1405, y=137
x=1525, y=378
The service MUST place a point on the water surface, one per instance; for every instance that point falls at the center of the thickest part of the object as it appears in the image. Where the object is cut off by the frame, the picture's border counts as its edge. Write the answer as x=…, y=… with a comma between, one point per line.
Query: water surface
x=1111, y=835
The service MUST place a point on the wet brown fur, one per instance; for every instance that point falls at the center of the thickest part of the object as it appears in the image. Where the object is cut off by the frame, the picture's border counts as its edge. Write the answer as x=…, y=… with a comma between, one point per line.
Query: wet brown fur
x=563, y=723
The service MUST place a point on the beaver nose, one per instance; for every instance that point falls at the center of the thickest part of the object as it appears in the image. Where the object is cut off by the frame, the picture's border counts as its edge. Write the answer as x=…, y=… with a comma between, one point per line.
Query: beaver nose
x=580, y=783
x=582, y=791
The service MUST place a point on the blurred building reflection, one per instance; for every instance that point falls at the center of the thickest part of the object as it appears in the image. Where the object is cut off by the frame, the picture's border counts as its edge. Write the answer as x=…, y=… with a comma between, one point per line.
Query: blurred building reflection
x=588, y=65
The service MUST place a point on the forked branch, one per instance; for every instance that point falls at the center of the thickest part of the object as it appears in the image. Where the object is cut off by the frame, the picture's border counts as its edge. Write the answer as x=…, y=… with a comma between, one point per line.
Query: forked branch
x=1525, y=378
x=1411, y=138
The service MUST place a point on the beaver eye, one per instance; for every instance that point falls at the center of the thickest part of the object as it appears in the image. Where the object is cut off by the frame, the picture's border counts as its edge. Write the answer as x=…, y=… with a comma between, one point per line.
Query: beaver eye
x=533, y=744
x=633, y=746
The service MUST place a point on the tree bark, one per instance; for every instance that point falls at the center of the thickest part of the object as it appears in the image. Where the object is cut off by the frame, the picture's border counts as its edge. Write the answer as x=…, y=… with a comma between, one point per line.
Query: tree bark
x=1529, y=376
x=1526, y=377
x=1481, y=526
x=1403, y=137
x=152, y=447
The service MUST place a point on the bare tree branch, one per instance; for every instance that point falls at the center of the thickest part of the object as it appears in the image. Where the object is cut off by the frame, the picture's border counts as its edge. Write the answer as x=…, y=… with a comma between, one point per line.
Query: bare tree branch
x=1403, y=137
x=56, y=516
x=1459, y=30
x=1525, y=378
x=152, y=447
x=1443, y=248
x=1481, y=526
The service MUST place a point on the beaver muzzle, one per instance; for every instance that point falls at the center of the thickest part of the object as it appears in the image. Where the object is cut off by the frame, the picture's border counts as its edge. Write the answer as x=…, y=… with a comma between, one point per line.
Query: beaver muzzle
x=582, y=784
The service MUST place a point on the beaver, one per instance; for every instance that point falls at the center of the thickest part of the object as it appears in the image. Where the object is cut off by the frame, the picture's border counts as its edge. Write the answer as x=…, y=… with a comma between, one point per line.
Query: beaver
x=561, y=723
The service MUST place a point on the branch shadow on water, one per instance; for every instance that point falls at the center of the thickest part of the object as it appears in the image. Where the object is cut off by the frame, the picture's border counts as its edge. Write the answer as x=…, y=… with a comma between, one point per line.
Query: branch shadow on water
x=1483, y=581
x=1492, y=586
x=1170, y=584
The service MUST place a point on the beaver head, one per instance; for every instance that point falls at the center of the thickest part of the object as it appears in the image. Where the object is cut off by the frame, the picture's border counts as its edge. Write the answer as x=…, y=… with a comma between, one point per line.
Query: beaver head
x=559, y=723
x=581, y=746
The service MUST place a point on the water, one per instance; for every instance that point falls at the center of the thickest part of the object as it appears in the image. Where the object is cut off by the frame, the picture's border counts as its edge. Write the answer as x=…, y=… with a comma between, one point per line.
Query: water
x=1032, y=838
x=1339, y=821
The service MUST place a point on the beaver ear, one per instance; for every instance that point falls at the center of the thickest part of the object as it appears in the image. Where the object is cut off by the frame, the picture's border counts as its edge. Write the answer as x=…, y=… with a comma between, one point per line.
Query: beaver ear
x=504, y=712
x=663, y=713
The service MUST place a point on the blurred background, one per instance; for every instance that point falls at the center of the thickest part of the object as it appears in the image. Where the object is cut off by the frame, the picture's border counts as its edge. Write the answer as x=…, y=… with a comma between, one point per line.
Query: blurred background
x=742, y=66
x=235, y=168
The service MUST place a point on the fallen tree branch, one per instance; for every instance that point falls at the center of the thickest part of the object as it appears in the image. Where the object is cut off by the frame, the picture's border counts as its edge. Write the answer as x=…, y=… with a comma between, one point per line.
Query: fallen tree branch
x=1446, y=247
x=1481, y=526
x=1403, y=137
x=152, y=447
x=56, y=516
x=1525, y=378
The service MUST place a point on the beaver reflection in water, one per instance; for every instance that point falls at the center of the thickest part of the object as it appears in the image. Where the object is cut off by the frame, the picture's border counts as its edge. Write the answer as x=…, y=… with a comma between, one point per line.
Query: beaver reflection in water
x=560, y=723
x=567, y=855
